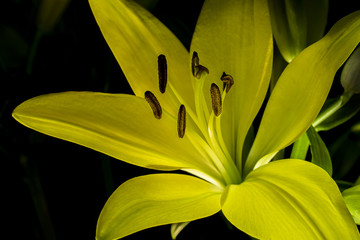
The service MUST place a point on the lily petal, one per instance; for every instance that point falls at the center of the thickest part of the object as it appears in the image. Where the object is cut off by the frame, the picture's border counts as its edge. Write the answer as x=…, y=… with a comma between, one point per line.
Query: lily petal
x=119, y=125
x=155, y=200
x=235, y=37
x=302, y=89
x=289, y=199
x=137, y=38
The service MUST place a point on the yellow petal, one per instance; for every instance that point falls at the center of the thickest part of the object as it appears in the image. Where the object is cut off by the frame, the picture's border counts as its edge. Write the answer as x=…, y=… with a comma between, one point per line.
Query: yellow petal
x=155, y=200
x=289, y=199
x=302, y=89
x=122, y=126
x=235, y=37
x=137, y=38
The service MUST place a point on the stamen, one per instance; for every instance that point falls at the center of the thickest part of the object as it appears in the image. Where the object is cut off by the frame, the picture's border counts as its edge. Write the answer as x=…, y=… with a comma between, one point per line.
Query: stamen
x=181, y=124
x=162, y=71
x=228, y=81
x=216, y=99
x=199, y=70
x=196, y=68
x=194, y=62
x=154, y=104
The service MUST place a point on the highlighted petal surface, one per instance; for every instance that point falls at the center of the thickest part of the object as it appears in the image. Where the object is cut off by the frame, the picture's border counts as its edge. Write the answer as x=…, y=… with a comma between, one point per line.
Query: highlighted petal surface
x=235, y=37
x=289, y=199
x=155, y=200
x=137, y=38
x=122, y=126
x=302, y=89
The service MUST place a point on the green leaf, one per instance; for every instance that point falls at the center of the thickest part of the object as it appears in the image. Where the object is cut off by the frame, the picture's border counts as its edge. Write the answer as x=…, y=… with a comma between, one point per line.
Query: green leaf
x=235, y=37
x=279, y=65
x=352, y=200
x=176, y=228
x=300, y=148
x=289, y=26
x=319, y=151
x=356, y=128
x=344, y=154
x=155, y=200
x=118, y=125
x=350, y=77
x=297, y=24
x=357, y=182
x=343, y=185
x=343, y=114
x=289, y=199
x=302, y=89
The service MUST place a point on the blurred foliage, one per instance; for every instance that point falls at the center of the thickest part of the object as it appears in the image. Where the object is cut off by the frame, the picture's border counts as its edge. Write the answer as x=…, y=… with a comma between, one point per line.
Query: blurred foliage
x=46, y=179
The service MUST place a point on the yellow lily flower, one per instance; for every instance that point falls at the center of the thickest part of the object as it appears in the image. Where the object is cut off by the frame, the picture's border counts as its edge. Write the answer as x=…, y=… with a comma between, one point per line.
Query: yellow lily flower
x=193, y=111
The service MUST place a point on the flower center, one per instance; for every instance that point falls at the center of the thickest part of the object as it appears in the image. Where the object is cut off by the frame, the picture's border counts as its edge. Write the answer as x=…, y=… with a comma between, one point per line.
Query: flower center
x=210, y=123
x=207, y=120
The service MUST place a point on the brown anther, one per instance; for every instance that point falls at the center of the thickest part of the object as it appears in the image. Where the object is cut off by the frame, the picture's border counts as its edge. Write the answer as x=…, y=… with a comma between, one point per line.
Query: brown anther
x=196, y=68
x=194, y=62
x=228, y=81
x=199, y=70
x=162, y=72
x=216, y=99
x=181, y=123
x=154, y=104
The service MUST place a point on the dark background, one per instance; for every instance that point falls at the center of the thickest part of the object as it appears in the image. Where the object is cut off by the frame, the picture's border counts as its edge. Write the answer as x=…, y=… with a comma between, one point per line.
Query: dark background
x=72, y=183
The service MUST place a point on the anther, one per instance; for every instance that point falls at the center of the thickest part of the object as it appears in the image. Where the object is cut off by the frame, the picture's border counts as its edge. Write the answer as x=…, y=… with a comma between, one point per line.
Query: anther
x=228, y=81
x=194, y=62
x=162, y=71
x=216, y=99
x=181, y=123
x=199, y=70
x=154, y=104
x=196, y=68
